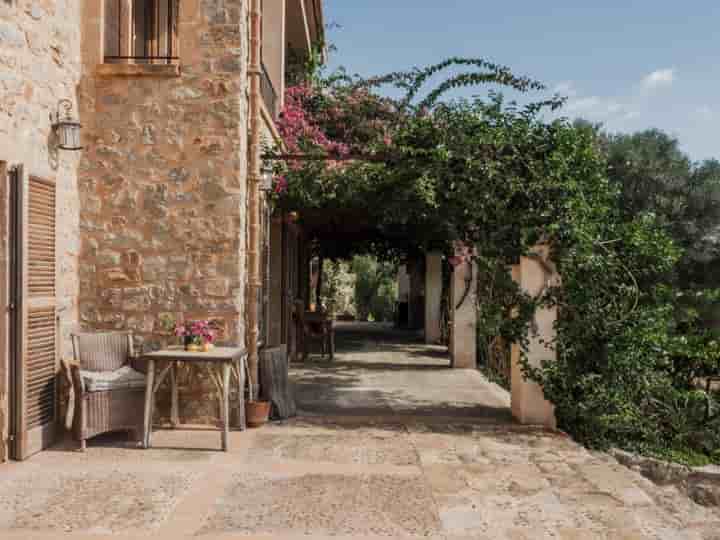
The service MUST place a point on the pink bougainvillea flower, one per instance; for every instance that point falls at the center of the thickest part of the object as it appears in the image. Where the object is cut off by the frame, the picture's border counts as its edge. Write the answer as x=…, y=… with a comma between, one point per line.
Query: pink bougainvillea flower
x=281, y=184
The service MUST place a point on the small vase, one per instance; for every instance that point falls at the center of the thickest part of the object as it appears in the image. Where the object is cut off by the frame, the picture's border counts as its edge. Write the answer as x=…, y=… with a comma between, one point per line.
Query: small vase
x=207, y=347
x=194, y=348
x=187, y=341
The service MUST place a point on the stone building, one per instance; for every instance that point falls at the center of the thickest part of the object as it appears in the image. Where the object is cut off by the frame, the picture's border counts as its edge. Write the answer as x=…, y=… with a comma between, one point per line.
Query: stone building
x=160, y=216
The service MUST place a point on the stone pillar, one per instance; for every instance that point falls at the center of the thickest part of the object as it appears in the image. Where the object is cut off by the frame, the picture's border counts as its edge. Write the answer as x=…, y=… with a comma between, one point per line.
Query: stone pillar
x=433, y=296
x=463, y=335
x=529, y=405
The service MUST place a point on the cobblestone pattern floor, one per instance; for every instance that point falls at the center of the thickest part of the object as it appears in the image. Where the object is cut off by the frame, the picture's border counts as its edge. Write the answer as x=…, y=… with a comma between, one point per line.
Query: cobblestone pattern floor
x=396, y=468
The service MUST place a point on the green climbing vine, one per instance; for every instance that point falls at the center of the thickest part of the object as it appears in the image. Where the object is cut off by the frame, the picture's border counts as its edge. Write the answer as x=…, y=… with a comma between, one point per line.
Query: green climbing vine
x=487, y=179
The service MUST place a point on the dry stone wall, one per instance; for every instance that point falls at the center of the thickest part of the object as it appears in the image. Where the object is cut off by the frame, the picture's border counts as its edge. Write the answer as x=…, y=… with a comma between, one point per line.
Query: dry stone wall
x=163, y=189
x=163, y=185
x=39, y=65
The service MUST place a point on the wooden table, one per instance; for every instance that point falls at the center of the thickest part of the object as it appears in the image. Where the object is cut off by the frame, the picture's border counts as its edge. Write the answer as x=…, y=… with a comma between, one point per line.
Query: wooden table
x=220, y=363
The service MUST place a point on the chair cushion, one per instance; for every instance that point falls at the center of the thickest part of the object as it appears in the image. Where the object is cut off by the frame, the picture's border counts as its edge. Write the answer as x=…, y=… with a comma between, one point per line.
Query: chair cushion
x=120, y=379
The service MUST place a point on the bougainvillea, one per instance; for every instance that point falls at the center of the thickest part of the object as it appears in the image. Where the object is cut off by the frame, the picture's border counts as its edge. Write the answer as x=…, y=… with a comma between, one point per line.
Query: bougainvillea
x=300, y=126
x=421, y=173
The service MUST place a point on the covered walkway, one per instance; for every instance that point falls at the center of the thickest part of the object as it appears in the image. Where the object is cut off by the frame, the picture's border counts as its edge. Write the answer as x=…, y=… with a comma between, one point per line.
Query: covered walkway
x=390, y=444
x=380, y=373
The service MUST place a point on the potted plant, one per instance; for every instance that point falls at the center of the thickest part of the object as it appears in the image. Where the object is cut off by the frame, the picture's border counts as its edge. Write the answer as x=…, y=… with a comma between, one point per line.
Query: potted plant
x=257, y=412
x=198, y=336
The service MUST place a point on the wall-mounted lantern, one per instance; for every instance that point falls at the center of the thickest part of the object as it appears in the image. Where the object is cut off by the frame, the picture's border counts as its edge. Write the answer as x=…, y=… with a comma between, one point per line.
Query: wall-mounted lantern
x=266, y=176
x=66, y=128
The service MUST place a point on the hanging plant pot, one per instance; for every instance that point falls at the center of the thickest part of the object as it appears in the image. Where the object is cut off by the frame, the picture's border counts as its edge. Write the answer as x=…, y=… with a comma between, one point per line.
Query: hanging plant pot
x=257, y=413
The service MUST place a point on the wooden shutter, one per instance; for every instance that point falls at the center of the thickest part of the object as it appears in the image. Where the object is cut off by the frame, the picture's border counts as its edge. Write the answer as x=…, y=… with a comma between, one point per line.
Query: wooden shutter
x=35, y=329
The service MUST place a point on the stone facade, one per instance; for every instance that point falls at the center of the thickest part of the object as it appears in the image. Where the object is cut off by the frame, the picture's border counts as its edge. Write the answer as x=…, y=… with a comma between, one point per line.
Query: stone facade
x=39, y=65
x=163, y=187
x=152, y=214
x=163, y=182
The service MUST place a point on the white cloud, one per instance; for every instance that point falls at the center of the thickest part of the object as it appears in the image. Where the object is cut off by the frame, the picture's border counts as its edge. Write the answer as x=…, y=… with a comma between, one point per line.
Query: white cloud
x=583, y=105
x=599, y=109
x=704, y=111
x=658, y=78
x=566, y=88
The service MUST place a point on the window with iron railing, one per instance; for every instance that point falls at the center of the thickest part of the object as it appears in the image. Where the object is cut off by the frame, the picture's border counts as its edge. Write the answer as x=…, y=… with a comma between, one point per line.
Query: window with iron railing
x=141, y=31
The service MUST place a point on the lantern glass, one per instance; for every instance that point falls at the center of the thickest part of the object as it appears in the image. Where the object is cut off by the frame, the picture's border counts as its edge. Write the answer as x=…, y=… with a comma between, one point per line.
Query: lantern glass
x=66, y=128
x=69, y=135
x=267, y=181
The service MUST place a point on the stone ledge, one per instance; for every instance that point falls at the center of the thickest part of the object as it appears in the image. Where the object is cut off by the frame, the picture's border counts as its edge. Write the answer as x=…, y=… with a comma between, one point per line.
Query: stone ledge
x=138, y=70
x=701, y=484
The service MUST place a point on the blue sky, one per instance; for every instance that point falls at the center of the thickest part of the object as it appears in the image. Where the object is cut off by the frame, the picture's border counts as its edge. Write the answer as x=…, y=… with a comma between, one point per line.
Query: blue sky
x=630, y=64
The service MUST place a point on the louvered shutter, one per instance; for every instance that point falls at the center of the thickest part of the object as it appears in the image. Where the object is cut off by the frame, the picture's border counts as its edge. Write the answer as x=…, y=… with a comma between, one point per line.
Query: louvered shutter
x=35, y=312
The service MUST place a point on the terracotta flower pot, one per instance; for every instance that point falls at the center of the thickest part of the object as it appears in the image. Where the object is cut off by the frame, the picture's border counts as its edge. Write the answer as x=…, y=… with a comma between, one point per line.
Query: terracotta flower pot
x=257, y=413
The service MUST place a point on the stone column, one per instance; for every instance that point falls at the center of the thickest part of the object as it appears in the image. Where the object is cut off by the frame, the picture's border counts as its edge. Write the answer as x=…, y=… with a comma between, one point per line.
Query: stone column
x=463, y=335
x=529, y=405
x=433, y=296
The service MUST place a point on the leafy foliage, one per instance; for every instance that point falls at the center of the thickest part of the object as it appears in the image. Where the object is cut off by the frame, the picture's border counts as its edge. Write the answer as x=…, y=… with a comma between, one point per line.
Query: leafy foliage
x=375, y=288
x=496, y=176
x=338, y=289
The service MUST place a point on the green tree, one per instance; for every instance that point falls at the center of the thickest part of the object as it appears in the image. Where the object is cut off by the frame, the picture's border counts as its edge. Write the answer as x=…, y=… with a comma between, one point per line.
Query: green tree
x=375, y=289
x=654, y=175
x=338, y=288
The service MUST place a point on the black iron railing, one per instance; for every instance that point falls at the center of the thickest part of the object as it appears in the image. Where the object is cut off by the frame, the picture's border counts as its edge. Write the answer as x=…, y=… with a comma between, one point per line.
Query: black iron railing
x=268, y=92
x=147, y=34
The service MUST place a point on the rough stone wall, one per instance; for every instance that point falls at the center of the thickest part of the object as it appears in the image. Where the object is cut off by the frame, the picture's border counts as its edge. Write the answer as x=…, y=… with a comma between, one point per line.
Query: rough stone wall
x=163, y=185
x=701, y=484
x=39, y=65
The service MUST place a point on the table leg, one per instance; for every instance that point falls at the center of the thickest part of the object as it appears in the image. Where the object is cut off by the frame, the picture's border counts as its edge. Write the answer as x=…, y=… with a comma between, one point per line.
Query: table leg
x=174, y=407
x=225, y=404
x=241, y=394
x=149, y=397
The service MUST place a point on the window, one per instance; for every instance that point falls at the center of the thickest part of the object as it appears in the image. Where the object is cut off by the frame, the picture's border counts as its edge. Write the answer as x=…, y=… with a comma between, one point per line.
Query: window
x=141, y=31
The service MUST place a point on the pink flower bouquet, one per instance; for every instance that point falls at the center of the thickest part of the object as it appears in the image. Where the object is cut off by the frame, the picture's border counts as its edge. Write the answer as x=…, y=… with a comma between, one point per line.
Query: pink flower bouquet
x=196, y=333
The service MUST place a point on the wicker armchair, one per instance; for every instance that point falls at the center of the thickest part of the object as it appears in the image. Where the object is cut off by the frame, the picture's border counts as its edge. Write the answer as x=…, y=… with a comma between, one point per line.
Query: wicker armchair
x=109, y=394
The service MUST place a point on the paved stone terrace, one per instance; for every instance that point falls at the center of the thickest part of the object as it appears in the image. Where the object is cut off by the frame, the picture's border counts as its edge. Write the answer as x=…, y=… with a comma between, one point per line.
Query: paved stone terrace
x=373, y=455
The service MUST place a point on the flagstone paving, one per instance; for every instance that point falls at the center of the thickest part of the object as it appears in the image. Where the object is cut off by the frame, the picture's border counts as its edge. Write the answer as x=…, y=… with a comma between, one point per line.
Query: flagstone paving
x=391, y=452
